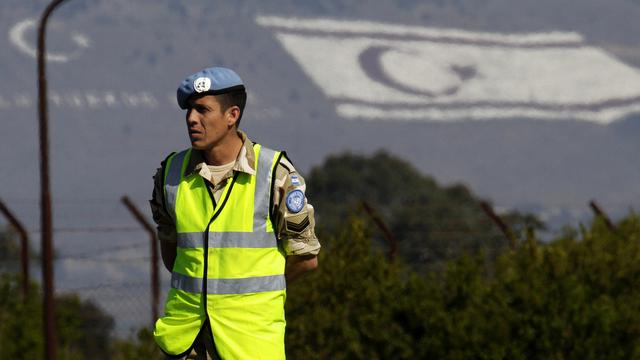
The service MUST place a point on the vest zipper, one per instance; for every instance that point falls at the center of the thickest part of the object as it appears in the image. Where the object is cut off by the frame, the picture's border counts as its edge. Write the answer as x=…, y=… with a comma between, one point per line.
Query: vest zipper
x=216, y=212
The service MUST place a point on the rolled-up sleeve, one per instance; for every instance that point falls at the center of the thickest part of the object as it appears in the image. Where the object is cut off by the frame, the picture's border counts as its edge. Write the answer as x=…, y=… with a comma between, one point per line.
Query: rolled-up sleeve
x=164, y=223
x=295, y=225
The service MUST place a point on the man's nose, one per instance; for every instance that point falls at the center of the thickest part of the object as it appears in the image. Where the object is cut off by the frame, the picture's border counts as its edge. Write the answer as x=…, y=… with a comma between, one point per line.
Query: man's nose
x=191, y=118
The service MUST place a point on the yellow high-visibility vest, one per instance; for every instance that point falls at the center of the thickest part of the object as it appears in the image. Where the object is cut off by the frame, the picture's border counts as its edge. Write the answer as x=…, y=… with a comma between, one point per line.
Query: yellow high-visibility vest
x=229, y=268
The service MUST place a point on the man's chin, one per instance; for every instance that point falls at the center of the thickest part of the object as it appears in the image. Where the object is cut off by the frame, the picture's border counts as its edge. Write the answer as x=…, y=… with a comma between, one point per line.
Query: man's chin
x=197, y=146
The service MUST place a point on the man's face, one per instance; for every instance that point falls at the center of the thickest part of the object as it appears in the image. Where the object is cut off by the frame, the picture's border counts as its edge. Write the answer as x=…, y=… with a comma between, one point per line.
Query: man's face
x=207, y=123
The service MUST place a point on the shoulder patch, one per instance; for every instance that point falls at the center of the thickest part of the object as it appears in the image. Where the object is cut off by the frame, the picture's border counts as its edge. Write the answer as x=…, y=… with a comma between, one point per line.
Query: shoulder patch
x=295, y=201
x=295, y=180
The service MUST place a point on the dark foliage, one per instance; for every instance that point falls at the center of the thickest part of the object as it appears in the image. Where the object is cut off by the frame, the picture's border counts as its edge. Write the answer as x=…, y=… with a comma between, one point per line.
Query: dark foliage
x=574, y=298
x=432, y=223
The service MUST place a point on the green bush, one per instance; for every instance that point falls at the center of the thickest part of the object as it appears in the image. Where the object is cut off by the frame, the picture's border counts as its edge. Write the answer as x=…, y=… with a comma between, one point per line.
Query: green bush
x=83, y=330
x=573, y=298
x=433, y=223
x=142, y=346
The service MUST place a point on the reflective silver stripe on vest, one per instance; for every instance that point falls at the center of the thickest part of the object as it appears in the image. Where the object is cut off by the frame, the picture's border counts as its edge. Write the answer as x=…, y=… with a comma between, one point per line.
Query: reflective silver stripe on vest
x=186, y=283
x=263, y=190
x=172, y=181
x=228, y=286
x=260, y=240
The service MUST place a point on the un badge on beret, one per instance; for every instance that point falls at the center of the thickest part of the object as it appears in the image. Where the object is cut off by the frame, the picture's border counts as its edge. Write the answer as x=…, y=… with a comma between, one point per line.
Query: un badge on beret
x=295, y=201
x=202, y=84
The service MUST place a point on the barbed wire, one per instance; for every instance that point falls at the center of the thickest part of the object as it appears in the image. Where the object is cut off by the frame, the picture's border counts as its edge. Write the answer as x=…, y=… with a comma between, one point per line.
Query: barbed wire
x=106, y=260
x=109, y=285
x=446, y=219
x=93, y=229
x=92, y=253
x=115, y=200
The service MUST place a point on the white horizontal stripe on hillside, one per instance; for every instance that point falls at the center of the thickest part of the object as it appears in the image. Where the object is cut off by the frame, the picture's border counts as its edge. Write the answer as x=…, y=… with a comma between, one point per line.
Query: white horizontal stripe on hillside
x=322, y=25
x=364, y=112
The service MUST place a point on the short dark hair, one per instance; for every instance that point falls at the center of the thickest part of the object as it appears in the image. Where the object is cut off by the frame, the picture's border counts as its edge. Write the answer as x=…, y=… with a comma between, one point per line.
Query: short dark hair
x=233, y=98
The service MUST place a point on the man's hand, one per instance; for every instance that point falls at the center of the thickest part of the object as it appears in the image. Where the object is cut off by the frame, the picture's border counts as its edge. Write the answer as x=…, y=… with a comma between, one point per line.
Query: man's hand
x=298, y=265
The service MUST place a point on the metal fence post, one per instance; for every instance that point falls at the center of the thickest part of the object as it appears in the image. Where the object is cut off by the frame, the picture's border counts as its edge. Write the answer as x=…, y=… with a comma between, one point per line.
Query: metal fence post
x=45, y=195
x=506, y=231
x=24, y=246
x=393, y=242
x=597, y=210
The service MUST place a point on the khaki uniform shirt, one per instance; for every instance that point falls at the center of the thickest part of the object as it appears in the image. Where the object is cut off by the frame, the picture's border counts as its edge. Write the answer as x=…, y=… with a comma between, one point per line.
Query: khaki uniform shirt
x=294, y=230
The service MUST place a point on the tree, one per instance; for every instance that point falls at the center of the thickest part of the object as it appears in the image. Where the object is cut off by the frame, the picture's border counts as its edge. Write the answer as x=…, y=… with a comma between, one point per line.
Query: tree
x=10, y=250
x=431, y=222
x=346, y=308
x=9, y=244
x=573, y=298
x=83, y=329
x=143, y=346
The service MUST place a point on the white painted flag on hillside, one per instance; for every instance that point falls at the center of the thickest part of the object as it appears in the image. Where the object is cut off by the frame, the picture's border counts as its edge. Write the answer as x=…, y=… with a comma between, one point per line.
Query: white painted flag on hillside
x=380, y=71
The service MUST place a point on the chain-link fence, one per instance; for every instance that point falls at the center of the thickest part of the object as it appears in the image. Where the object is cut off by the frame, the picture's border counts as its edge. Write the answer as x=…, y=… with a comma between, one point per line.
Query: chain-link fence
x=109, y=267
x=129, y=304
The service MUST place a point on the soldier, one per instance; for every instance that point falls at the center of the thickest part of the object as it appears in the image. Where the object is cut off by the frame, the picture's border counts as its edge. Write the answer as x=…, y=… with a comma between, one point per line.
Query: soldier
x=234, y=227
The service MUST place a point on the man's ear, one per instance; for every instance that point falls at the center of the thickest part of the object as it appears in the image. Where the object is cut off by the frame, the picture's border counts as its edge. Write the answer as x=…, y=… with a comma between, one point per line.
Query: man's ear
x=232, y=115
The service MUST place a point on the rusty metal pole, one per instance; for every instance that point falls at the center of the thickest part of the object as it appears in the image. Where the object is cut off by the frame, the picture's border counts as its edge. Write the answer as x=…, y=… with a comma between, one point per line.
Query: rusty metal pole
x=506, y=231
x=155, y=279
x=597, y=210
x=45, y=194
x=393, y=242
x=24, y=246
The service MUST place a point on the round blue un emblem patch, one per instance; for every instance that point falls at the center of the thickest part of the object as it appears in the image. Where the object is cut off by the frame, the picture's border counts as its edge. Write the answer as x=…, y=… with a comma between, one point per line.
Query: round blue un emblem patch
x=295, y=201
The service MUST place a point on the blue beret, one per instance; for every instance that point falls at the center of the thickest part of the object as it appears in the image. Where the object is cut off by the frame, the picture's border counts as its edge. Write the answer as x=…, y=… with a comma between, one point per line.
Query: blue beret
x=210, y=81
